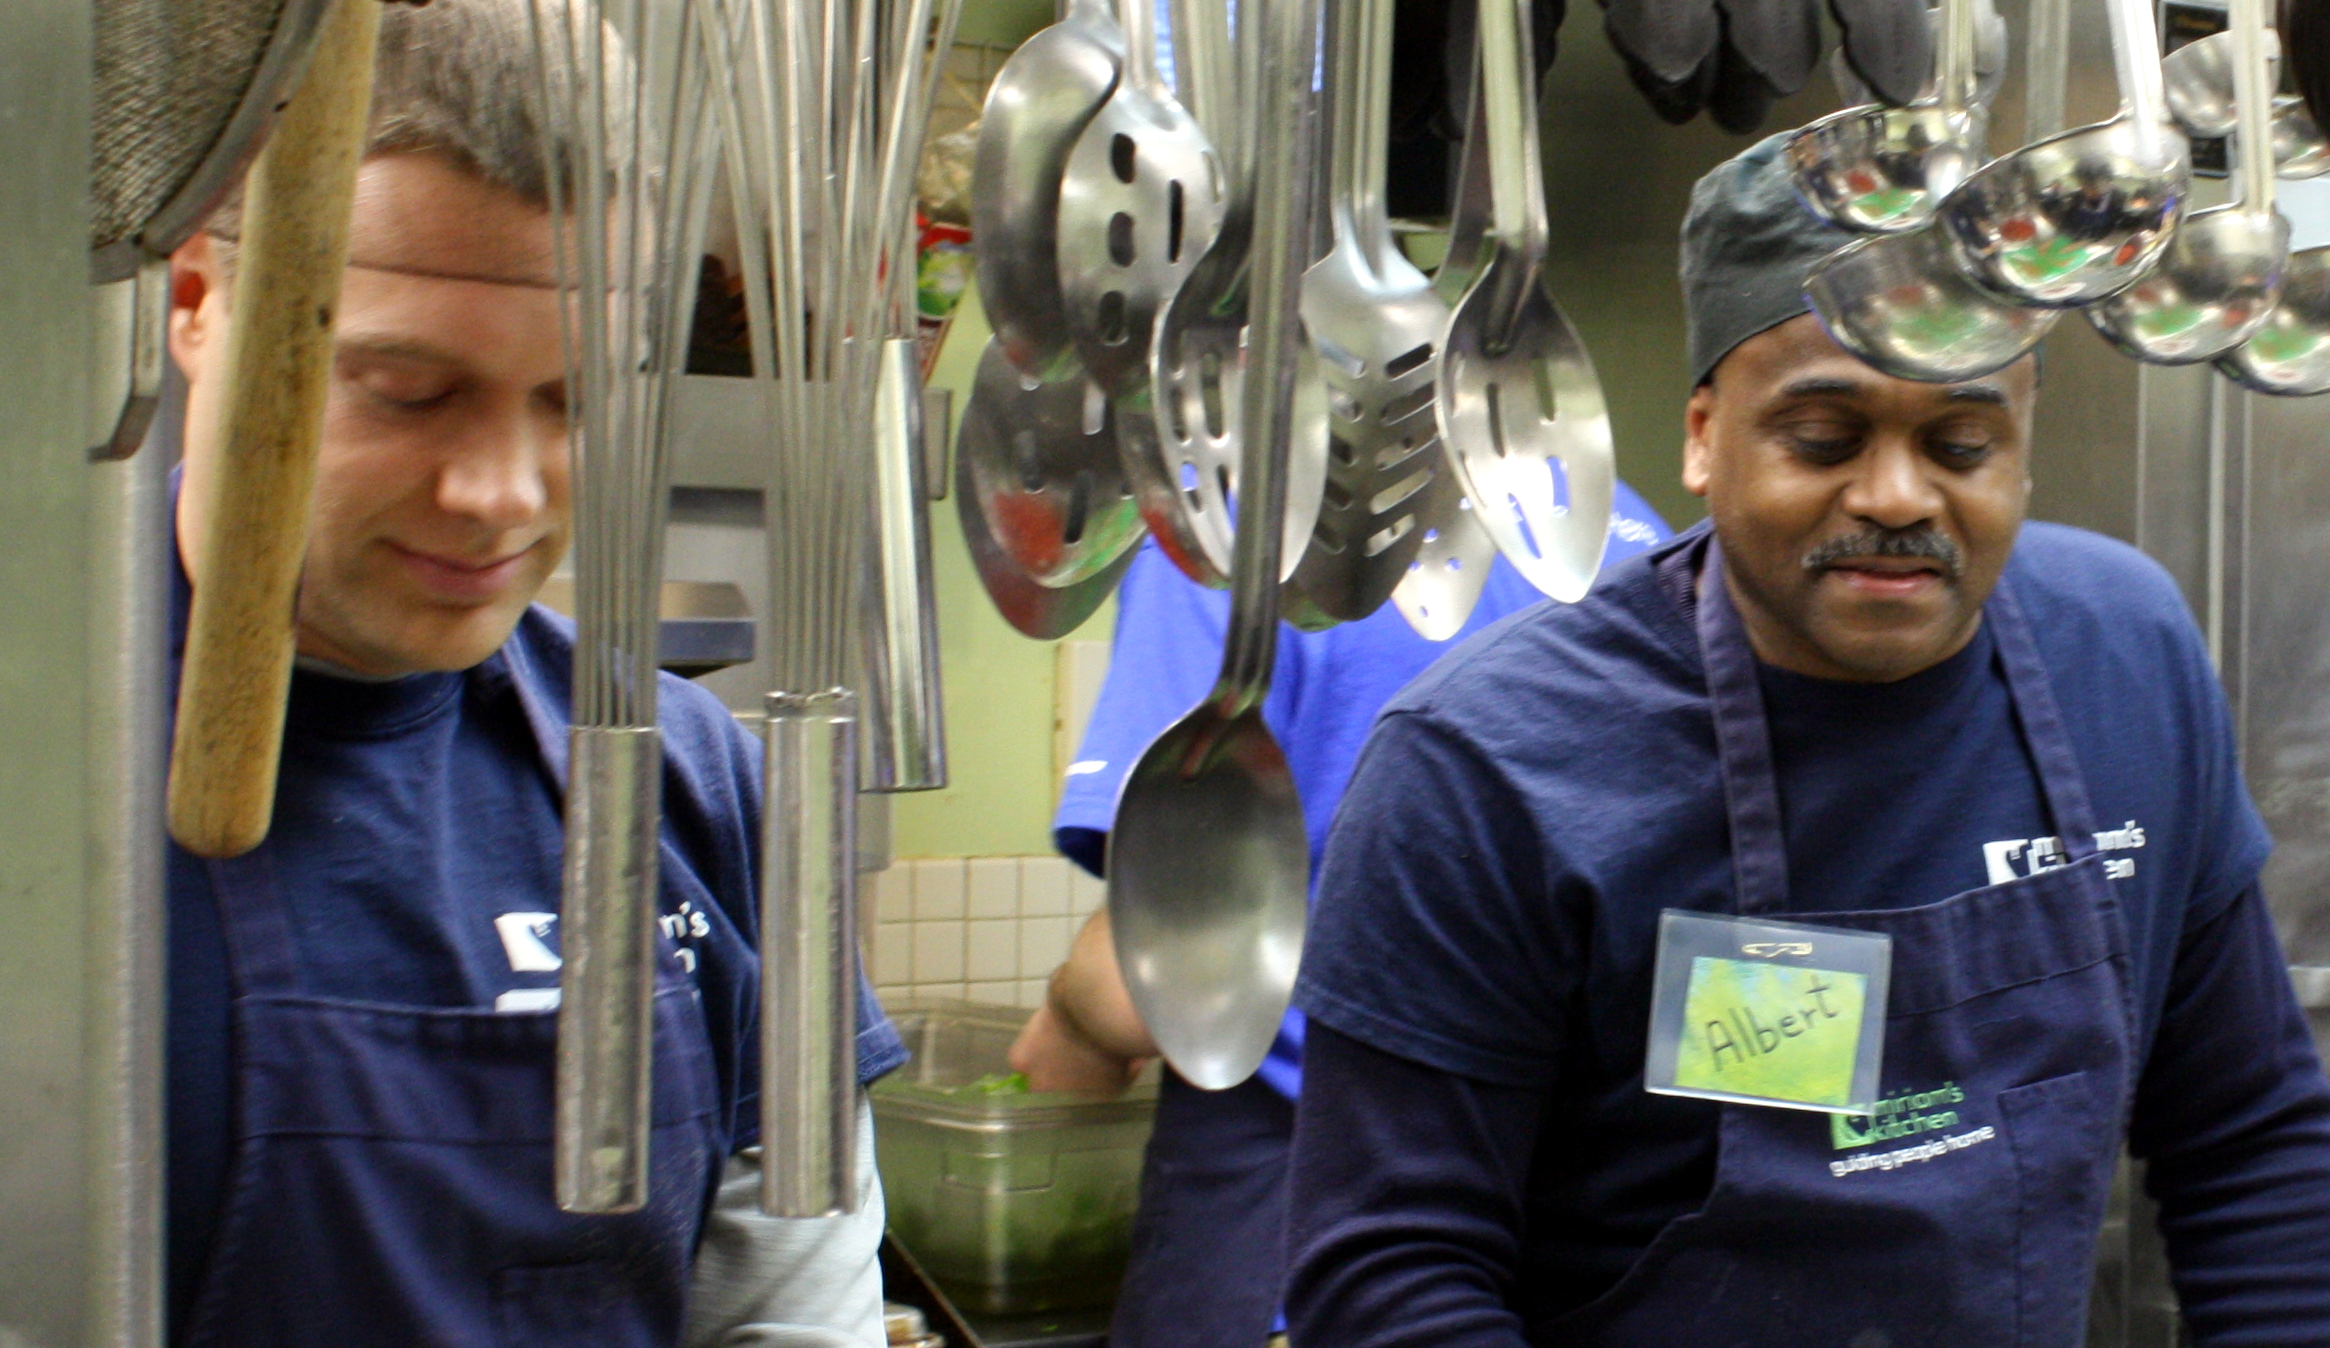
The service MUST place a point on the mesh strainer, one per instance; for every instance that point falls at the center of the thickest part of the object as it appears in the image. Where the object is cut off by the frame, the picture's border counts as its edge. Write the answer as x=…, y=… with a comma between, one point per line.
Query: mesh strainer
x=184, y=91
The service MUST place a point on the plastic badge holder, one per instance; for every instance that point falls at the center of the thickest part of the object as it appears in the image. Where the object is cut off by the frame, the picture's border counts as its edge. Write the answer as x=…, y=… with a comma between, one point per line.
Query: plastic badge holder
x=1768, y=1013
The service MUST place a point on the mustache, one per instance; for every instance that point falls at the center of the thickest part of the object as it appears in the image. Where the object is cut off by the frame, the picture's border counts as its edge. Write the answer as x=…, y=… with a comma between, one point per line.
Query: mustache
x=1923, y=541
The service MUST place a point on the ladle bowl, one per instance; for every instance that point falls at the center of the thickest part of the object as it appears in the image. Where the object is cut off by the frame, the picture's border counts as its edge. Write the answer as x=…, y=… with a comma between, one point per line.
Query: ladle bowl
x=2217, y=283
x=1879, y=170
x=1900, y=303
x=2198, y=79
x=2299, y=148
x=2289, y=354
x=2073, y=219
x=1042, y=464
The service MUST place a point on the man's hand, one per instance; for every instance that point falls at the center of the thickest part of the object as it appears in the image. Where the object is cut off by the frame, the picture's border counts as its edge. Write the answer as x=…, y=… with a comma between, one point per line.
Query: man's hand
x=1086, y=1037
x=1054, y=1057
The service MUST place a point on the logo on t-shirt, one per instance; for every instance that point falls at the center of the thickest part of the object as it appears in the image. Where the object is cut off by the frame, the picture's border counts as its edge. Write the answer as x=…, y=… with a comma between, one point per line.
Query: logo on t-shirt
x=2035, y=855
x=528, y=939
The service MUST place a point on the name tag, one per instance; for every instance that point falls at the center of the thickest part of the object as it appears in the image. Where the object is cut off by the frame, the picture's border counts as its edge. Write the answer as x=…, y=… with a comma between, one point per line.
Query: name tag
x=1768, y=1013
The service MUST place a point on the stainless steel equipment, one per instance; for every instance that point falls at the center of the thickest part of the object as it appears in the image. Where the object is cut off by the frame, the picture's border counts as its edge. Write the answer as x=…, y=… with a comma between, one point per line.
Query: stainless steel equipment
x=1140, y=198
x=1036, y=109
x=1444, y=581
x=2084, y=214
x=1373, y=325
x=2221, y=275
x=1208, y=876
x=1879, y=170
x=1521, y=409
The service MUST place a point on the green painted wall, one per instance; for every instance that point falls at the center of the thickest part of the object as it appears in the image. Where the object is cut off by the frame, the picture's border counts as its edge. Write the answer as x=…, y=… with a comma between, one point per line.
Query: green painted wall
x=999, y=685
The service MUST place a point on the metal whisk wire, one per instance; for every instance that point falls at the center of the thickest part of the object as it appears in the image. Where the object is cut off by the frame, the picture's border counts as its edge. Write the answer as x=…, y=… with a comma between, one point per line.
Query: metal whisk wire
x=627, y=217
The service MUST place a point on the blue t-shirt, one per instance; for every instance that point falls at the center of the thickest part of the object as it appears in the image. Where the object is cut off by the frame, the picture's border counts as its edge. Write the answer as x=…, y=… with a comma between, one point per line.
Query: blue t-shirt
x=1489, y=902
x=418, y=845
x=1325, y=691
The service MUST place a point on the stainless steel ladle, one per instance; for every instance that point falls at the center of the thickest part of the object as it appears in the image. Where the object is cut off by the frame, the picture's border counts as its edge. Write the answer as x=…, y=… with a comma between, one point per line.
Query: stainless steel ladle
x=2222, y=274
x=2085, y=214
x=1879, y=170
x=1036, y=110
x=2289, y=354
x=1209, y=864
x=1373, y=324
x=1043, y=466
x=2198, y=78
x=1520, y=406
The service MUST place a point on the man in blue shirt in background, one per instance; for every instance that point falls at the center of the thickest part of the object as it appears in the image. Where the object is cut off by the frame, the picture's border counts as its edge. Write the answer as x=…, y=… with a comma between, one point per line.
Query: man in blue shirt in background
x=1872, y=699
x=363, y=1022
x=1206, y=1269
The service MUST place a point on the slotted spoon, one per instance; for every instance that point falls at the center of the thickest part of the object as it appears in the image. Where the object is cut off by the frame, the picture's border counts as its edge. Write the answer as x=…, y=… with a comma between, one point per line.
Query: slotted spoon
x=1373, y=323
x=1043, y=465
x=1520, y=406
x=1443, y=581
x=1036, y=109
x=1140, y=199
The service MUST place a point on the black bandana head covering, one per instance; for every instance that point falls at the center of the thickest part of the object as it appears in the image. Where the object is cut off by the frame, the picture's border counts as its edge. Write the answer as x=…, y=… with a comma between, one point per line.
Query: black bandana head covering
x=1748, y=244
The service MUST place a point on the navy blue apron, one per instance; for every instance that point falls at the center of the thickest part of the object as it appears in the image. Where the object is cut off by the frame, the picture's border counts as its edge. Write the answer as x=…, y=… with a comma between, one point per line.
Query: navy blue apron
x=2010, y=1006
x=391, y=1182
x=1209, y=1243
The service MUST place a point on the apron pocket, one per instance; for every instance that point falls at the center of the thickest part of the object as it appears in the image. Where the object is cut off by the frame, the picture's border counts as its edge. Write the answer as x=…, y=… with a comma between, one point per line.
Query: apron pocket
x=2065, y=1146
x=568, y=1306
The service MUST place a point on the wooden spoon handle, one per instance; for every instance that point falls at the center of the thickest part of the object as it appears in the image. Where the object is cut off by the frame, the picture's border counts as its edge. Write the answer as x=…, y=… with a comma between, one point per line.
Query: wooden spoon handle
x=278, y=365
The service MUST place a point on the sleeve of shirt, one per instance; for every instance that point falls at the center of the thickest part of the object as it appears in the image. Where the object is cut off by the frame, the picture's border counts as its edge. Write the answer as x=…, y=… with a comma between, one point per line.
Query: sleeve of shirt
x=769, y=1282
x=2232, y=1117
x=1404, y=1202
x=1432, y=934
x=1167, y=652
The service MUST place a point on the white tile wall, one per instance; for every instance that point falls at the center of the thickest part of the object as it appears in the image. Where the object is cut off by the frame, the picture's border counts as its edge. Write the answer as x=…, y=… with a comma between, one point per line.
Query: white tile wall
x=988, y=928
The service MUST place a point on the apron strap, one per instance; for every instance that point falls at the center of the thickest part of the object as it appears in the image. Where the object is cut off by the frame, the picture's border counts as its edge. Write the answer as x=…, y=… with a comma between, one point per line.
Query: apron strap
x=264, y=960
x=2060, y=778
x=1743, y=741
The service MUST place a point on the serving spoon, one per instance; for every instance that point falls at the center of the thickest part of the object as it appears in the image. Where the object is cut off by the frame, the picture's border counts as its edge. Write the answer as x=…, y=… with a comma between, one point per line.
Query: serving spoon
x=1209, y=863
x=1520, y=406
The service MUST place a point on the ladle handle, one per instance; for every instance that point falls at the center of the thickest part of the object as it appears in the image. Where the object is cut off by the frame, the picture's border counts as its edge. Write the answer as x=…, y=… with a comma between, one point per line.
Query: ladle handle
x=2252, y=103
x=1958, y=75
x=2136, y=53
x=240, y=630
x=1509, y=84
x=1283, y=152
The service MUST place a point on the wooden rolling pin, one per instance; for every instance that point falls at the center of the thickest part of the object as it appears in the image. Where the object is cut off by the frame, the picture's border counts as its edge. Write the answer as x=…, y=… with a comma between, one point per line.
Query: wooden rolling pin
x=278, y=365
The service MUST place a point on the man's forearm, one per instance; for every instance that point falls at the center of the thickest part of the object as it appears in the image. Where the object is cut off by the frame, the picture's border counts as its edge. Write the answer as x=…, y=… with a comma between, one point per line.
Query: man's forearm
x=2233, y=1117
x=1404, y=1202
x=1088, y=994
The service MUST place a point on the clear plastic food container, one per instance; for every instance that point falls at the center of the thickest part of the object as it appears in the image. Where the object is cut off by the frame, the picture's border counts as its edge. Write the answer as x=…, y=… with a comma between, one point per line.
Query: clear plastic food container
x=1013, y=1202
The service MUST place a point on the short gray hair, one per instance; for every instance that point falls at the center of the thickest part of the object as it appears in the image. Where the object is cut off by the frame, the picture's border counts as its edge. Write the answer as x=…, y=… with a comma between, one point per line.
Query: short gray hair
x=460, y=78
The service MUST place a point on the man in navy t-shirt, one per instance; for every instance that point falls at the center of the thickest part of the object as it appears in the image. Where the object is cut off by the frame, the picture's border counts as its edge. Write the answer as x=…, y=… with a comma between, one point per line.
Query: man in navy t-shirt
x=1868, y=700
x=362, y=1035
